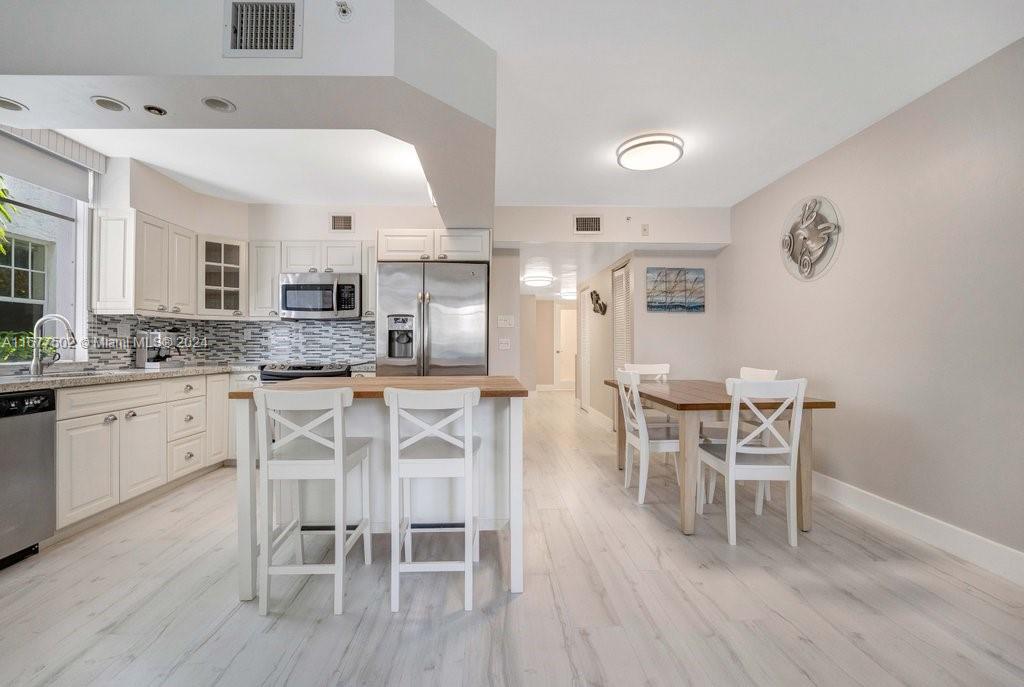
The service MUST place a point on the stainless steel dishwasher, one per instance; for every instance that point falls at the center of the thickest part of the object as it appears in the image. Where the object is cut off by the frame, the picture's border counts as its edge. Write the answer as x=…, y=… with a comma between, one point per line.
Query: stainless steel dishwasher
x=28, y=466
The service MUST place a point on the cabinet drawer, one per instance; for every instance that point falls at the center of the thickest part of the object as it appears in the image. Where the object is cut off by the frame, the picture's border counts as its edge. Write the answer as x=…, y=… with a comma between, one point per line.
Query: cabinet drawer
x=185, y=418
x=185, y=456
x=106, y=398
x=184, y=387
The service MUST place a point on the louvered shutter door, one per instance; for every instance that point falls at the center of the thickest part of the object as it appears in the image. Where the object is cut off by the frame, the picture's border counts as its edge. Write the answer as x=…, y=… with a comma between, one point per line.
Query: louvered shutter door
x=622, y=317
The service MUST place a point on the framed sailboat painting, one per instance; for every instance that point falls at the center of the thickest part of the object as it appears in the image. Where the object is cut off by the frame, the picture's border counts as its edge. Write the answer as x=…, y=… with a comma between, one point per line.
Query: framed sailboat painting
x=675, y=289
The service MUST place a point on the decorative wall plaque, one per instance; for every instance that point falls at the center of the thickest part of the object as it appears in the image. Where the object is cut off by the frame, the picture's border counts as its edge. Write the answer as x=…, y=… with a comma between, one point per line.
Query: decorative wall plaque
x=811, y=238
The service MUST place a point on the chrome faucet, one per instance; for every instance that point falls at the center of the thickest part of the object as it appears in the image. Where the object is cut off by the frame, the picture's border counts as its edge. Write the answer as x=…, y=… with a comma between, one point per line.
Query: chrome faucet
x=36, y=368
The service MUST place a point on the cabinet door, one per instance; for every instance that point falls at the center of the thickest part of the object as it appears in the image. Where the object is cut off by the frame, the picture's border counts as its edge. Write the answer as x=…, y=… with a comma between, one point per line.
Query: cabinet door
x=343, y=256
x=264, y=278
x=113, y=262
x=88, y=478
x=370, y=282
x=217, y=424
x=150, y=263
x=181, y=276
x=143, y=450
x=405, y=244
x=223, y=279
x=467, y=245
x=301, y=256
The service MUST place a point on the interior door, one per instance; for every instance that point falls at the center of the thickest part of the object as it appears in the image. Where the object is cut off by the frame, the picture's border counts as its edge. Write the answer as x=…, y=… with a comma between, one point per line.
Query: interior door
x=583, y=373
x=565, y=347
x=455, y=327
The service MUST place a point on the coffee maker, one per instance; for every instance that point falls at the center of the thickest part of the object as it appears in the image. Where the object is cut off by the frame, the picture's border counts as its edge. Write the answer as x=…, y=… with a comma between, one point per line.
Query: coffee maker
x=159, y=350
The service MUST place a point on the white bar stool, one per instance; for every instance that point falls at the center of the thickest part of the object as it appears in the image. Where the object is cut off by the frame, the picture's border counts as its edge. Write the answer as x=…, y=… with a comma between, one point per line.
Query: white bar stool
x=432, y=452
x=300, y=453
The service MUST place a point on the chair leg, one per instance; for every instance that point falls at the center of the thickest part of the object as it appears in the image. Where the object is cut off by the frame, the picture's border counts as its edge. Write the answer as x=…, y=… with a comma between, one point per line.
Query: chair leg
x=730, y=509
x=395, y=524
x=701, y=492
x=468, y=538
x=629, y=466
x=767, y=491
x=266, y=539
x=476, y=516
x=364, y=474
x=300, y=548
x=645, y=466
x=712, y=483
x=675, y=466
x=407, y=509
x=340, y=535
x=791, y=511
x=759, y=498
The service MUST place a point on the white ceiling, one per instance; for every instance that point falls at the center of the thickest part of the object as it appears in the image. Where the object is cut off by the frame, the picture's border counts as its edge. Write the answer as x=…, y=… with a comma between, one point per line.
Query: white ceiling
x=308, y=167
x=754, y=88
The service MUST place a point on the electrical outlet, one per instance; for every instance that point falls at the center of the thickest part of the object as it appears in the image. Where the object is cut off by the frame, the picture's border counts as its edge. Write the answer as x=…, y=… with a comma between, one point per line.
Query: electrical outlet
x=506, y=322
x=504, y=344
x=645, y=229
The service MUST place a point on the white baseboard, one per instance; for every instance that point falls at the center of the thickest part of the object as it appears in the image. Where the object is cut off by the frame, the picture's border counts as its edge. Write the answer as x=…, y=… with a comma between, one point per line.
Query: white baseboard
x=973, y=548
x=547, y=387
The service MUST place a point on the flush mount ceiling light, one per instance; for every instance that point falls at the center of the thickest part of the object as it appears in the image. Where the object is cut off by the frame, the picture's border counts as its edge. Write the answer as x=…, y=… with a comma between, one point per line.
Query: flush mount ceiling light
x=567, y=295
x=538, y=279
x=109, y=104
x=219, y=104
x=12, y=105
x=650, y=151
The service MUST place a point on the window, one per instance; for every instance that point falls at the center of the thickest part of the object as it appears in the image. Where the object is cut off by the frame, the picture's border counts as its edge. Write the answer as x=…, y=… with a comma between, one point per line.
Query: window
x=39, y=271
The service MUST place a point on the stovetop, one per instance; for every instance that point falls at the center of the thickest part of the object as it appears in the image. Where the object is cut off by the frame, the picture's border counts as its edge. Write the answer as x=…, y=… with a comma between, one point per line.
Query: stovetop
x=272, y=371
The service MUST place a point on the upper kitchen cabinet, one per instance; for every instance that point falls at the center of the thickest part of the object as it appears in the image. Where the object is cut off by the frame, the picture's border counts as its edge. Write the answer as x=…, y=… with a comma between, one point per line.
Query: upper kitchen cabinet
x=142, y=264
x=264, y=278
x=223, y=277
x=321, y=256
x=453, y=245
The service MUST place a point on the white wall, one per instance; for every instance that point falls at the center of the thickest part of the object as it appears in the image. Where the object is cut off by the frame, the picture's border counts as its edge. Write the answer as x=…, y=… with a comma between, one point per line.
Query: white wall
x=312, y=222
x=918, y=330
x=504, y=300
x=601, y=397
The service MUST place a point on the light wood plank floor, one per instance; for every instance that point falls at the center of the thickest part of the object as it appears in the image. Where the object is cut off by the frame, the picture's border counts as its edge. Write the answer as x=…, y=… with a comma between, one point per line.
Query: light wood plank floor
x=615, y=595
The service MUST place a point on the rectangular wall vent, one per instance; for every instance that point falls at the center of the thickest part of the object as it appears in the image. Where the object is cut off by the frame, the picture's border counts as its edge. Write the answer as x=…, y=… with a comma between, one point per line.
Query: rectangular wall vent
x=271, y=28
x=586, y=225
x=341, y=223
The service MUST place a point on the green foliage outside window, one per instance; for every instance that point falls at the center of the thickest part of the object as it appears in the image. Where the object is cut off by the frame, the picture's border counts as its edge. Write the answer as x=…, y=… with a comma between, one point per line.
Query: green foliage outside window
x=6, y=210
x=17, y=346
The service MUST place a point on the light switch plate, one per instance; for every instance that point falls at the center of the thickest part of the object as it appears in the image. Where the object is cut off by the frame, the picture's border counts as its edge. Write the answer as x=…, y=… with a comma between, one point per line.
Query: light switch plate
x=504, y=344
x=506, y=321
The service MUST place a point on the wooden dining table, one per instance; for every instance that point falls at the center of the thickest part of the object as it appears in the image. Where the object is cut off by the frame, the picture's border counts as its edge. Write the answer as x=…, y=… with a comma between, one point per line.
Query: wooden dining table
x=690, y=401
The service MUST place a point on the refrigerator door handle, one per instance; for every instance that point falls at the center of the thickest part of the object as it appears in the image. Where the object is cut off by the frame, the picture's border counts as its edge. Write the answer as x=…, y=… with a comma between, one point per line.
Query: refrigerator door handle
x=426, y=333
x=419, y=314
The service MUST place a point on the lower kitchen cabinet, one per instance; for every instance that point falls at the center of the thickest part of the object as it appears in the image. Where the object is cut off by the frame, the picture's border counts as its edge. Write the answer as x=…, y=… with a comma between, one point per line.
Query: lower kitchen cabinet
x=88, y=466
x=143, y=444
x=185, y=456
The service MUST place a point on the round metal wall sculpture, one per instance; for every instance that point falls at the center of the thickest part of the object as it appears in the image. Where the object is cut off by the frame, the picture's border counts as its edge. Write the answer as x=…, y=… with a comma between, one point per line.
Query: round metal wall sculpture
x=811, y=239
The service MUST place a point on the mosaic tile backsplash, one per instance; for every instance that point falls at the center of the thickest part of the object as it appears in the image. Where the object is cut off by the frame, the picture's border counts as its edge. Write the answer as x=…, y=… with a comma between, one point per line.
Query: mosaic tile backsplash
x=228, y=342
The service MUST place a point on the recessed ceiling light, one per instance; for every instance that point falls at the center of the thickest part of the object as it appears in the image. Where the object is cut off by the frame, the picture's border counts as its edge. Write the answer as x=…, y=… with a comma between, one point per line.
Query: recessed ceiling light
x=650, y=151
x=567, y=295
x=110, y=104
x=219, y=104
x=538, y=279
x=155, y=110
x=11, y=105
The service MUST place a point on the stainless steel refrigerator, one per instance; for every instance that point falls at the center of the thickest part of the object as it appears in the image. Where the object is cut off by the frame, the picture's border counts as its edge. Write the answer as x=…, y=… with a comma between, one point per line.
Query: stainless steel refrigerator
x=431, y=319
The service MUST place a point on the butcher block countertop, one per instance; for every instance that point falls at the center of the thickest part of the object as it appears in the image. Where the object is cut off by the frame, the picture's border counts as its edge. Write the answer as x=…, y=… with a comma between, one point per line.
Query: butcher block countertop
x=373, y=387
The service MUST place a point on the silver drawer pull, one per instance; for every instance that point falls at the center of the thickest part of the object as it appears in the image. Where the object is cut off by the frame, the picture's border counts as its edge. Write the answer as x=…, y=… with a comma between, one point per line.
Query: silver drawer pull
x=251, y=378
x=312, y=269
x=442, y=256
x=188, y=388
x=328, y=269
x=273, y=313
x=189, y=418
x=425, y=256
x=175, y=309
x=130, y=414
x=189, y=455
x=237, y=313
x=161, y=308
x=109, y=418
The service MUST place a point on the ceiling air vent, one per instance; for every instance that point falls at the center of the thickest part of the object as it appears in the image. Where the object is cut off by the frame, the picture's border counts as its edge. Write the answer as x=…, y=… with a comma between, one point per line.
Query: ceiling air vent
x=586, y=225
x=271, y=28
x=341, y=223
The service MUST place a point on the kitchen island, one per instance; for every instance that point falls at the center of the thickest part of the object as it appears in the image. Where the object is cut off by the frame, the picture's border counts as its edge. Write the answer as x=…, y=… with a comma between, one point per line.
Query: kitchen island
x=498, y=420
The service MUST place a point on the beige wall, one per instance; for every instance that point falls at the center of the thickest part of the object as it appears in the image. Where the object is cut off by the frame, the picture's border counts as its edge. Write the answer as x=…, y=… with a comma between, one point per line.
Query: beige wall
x=527, y=334
x=504, y=301
x=689, y=342
x=544, y=338
x=312, y=222
x=918, y=330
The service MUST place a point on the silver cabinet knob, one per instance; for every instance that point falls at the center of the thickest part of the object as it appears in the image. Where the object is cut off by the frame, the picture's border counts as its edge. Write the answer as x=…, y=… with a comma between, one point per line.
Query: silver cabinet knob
x=425, y=256
x=161, y=308
x=237, y=313
x=273, y=313
x=442, y=256
x=189, y=418
x=328, y=269
x=175, y=309
x=312, y=269
x=130, y=414
x=189, y=388
x=251, y=378
x=189, y=455
x=109, y=418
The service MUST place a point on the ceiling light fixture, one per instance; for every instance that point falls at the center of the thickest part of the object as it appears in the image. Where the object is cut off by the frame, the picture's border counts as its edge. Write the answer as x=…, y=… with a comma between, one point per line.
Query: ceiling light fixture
x=155, y=110
x=109, y=104
x=567, y=295
x=12, y=105
x=219, y=104
x=650, y=151
x=538, y=279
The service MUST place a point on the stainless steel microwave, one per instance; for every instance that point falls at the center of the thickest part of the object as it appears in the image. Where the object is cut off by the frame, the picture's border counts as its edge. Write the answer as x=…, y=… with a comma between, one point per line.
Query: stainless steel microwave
x=321, y=296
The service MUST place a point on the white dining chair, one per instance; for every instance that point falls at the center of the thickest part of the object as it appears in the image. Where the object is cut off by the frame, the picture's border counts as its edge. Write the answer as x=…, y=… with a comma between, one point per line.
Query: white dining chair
x=640, y=437
x=316, y=449
x=433, y=449
x=715, y=432
x=653, y=372
x=752, y=458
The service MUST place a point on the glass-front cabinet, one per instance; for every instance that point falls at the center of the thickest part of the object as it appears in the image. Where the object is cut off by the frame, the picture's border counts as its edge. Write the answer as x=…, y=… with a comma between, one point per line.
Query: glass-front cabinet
x=222, y=277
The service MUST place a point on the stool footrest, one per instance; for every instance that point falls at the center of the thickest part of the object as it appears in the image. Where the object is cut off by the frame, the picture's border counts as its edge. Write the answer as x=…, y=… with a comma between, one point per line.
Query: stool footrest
x=311, y=569
x=433, y=566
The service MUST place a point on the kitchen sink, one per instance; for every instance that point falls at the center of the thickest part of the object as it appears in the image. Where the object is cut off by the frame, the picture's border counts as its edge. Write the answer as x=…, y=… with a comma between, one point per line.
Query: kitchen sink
x=24, y=374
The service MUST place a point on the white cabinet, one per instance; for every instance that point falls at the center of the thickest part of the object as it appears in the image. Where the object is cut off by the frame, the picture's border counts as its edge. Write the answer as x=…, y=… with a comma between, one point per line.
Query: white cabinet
x=465, y=245
x=88, y=469
x=143, y=450
x=405, y=244
x=223, y=279
x=217, y=424
x=238, y=381
x=150, y=263
x=321, y=256
x=181, y=271
x=370, y=282
x=113, y=262
x=264, y=278
x=185, y=418
x=184, y=456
